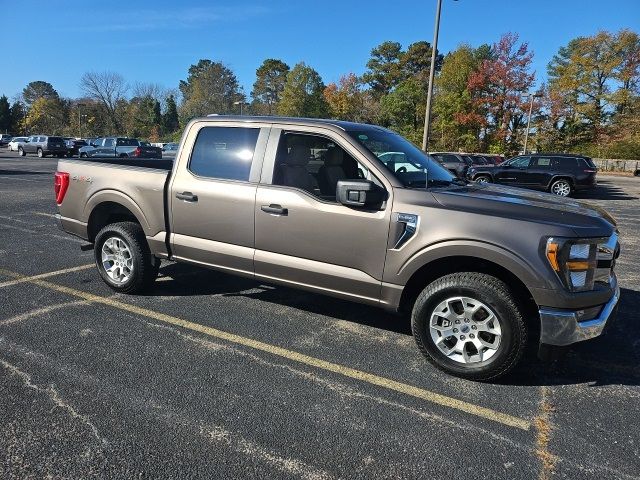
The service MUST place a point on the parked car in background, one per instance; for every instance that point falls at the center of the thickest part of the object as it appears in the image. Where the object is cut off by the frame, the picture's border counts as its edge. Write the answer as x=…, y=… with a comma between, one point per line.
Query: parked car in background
x=456, y=163
x=120, y=147
x=43, y=145
x=5, y=139
x=15, y=142
x=74, y=146
x=169, y=150
x=560, y=174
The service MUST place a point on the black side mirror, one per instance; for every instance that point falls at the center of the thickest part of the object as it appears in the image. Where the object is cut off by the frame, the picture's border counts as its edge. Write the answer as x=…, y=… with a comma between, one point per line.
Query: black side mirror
x=360, y=193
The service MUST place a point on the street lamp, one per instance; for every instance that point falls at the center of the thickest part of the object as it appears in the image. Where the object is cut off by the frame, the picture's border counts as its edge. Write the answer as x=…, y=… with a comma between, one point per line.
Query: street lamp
x=432, y=72
x=526, y=134
x=79, y=120
x=241, y=103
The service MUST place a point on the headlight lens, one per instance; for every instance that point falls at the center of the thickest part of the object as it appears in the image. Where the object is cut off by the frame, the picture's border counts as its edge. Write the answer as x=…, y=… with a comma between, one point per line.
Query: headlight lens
x=574, y=261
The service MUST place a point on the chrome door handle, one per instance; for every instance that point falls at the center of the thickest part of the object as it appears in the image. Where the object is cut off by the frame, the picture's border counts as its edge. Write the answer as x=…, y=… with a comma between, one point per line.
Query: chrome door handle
x=275, y=209
x=187, y=196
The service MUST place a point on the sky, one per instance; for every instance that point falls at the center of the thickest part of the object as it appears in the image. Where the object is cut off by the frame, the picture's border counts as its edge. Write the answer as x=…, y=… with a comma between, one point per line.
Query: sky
x=157, y=40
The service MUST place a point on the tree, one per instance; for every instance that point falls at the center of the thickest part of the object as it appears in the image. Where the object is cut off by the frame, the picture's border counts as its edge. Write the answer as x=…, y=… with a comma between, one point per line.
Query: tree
x=384, y=68
x=211, y=87
x=627, y=72
x=108, y=88
x=5, y=114
x=170, y=120
x=498, y=88
x=38, y=89
x=303, y=94
x=345, y=99
x=416, y=62
x=271, y=78
x=46, y=115
x=457, y=120
x=17, y=114
x=403, y=109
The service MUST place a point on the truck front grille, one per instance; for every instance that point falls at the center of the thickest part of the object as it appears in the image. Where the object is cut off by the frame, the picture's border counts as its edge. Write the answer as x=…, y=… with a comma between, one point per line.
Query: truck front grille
x=608, y=252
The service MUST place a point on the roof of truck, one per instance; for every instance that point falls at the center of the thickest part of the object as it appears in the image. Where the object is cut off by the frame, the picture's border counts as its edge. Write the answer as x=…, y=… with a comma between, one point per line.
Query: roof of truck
x=292, y=120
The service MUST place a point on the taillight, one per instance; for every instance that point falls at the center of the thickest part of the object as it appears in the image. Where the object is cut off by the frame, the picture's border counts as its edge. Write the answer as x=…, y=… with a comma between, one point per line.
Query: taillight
x=60, y=185
x=137, y=152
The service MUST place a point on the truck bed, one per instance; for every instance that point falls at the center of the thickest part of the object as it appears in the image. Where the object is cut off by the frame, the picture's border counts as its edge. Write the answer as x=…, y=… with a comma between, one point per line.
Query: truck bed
x=136, y=184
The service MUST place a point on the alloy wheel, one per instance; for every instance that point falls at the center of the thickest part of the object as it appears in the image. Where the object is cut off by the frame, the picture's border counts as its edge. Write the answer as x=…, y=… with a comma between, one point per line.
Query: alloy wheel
x=465, y=330
x=117, y=260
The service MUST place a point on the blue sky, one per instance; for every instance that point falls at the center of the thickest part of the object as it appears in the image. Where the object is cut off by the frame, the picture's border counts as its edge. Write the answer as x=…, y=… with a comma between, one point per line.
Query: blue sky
x=156, y=41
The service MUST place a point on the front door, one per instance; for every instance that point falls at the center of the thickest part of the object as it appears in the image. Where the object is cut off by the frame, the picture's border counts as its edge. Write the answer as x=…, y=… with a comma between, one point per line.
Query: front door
x=212, y=195
x=514, y=173
x=305, y=238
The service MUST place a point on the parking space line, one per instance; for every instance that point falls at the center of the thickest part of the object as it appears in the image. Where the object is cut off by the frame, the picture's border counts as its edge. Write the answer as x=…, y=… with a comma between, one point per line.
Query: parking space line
x=23, y=279
x=35, y=232
x=410, y=390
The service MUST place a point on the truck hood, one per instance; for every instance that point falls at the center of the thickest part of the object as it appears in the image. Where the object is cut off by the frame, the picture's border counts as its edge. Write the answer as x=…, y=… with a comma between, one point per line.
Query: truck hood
x=584, y=219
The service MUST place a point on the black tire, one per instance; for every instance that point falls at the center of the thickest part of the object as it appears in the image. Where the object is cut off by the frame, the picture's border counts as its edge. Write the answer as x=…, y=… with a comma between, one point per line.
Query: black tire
x=561, y=184
x=482, y=179
x=21, y=152
x=496, y=295
x=40, y=153
x=145, y=265
x=83, y=155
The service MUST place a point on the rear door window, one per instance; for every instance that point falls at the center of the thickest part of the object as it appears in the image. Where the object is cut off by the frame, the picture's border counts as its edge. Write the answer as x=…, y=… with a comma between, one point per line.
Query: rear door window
x=224, y=152
x=541, y=162
x=564, y=162
x=128, y=142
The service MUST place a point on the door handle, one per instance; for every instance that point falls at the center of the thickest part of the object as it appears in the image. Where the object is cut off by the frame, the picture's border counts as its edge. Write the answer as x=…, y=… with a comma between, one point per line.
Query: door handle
x=274, y=209
x=187, y=196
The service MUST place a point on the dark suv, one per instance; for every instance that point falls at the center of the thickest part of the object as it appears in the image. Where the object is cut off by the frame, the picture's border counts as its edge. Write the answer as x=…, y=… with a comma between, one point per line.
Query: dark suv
x=560, y=174
x=43, y=145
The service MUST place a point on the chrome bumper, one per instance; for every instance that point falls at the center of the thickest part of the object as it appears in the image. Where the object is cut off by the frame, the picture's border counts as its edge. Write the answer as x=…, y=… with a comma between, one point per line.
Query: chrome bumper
x=561, y=327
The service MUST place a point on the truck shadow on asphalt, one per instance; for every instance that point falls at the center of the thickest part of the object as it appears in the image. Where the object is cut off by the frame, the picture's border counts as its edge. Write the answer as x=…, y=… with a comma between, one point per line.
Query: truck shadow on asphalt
x=606, y=190
x=613, y=359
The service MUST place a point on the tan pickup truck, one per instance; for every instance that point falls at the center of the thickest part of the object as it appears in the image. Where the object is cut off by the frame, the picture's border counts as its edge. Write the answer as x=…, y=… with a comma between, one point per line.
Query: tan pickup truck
x=357, y=212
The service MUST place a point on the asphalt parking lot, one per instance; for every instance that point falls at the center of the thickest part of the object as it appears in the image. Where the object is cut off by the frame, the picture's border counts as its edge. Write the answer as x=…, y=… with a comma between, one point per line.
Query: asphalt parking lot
x=221, y=377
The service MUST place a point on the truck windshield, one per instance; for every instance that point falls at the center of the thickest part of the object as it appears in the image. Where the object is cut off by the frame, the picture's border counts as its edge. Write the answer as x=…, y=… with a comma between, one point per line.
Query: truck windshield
x=410, y=165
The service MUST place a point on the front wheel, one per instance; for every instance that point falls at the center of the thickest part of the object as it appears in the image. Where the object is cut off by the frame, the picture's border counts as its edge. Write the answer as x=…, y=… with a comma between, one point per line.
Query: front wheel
x=482, y=179
x=21, y=152
x=561, y=187
x=469, y=325
x=123, y=258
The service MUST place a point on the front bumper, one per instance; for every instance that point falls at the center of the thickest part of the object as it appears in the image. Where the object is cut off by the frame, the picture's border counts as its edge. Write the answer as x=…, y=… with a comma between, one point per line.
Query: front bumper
x=562, y=327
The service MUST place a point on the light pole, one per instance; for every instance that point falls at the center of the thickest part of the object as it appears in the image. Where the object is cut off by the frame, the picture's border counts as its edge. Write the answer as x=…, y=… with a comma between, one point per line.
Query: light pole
x=526, y=133
x=79, y=120
x=241, y=103
x=432, y=72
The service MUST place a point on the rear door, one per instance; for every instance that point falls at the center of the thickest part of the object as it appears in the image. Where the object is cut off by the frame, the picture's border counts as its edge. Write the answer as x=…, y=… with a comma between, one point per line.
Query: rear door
x=304, y=237
x=212, y=194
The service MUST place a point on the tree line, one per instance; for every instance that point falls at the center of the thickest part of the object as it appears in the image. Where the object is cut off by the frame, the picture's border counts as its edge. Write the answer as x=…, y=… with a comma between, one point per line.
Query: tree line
x=590, y=102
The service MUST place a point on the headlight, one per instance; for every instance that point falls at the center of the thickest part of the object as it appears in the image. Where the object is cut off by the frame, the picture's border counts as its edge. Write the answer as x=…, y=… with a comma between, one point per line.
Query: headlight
x=574, y=261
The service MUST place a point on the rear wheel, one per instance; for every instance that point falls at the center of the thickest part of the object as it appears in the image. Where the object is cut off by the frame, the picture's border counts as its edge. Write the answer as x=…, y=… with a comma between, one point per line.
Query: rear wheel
x=469, y=325
x=83, y=155
x=482, y=179
x=123, y=258
x=40, y=153
x=561, y=187
x=21, y=152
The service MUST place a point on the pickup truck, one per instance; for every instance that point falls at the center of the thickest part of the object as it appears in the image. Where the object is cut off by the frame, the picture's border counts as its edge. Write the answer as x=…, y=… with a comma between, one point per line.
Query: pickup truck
x=482, y=269
x=120, y=147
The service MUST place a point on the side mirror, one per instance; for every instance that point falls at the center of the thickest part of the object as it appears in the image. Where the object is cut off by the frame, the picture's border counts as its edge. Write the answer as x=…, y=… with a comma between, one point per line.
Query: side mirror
x=360, y=193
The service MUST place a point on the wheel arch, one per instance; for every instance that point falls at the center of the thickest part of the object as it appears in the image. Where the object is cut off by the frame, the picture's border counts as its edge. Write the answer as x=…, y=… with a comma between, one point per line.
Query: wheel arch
x=444, y=265
x=110, y=207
